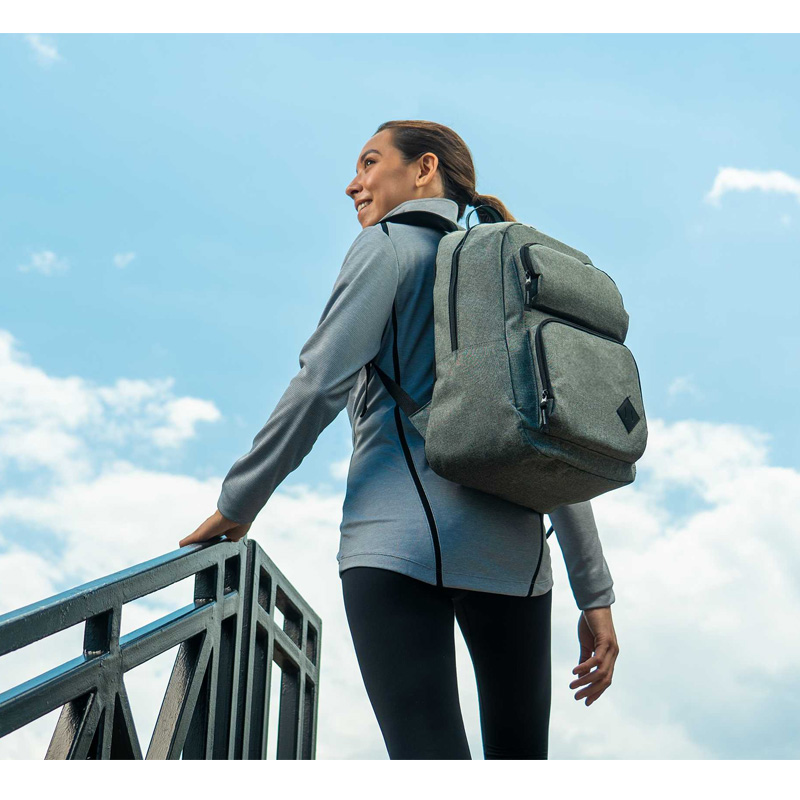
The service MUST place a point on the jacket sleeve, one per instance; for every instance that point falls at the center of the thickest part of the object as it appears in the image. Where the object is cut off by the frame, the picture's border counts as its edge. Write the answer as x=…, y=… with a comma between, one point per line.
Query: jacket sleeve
x=348, y=335
x=579, y=541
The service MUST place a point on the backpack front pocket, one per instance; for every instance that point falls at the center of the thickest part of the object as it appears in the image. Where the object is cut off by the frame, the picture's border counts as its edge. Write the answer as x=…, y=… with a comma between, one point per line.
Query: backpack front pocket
x=592, y=396
x=556, y=283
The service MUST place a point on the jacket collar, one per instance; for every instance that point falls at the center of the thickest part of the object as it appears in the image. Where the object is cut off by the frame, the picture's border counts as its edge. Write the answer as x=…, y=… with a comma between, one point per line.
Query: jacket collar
x=441, y=206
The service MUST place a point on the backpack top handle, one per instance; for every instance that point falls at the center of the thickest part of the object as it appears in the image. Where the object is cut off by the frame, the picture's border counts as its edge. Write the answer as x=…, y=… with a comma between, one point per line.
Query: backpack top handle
x=493, y=212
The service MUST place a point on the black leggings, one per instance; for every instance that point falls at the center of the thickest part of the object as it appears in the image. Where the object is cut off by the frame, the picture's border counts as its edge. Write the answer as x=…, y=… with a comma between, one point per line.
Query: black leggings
x=404, y=639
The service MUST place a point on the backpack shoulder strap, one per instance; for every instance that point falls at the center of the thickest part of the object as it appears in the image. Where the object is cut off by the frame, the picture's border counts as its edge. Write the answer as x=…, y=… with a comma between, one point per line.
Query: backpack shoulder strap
x=403, y=399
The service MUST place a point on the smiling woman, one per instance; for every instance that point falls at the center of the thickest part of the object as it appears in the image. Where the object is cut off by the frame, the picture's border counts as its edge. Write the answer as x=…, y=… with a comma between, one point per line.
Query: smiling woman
x=416, y=550
x=400, y=163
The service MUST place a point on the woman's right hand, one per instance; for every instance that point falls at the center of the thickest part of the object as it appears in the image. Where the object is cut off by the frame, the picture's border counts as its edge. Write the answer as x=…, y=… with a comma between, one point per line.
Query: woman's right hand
x=216, y=525
x=596, y=635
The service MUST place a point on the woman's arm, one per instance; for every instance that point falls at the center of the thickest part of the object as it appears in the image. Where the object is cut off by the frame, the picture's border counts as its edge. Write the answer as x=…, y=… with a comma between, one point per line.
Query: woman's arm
x=591, y=584
x=579, y=541
x=347, y=336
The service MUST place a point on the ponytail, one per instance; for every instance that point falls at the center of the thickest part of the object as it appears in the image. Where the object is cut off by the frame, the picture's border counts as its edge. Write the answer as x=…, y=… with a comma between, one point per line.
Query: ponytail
x=415, y=137
x=493, y=202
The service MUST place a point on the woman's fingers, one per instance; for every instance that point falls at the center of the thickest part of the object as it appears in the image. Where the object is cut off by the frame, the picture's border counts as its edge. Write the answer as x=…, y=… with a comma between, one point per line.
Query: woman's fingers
x=201, y=534
x=591, y=679
x=237, y=533
x=590, y=700
x=600, y=657
x=585, y=666
x=216, y=525
x=594, y=681
x=583, y=680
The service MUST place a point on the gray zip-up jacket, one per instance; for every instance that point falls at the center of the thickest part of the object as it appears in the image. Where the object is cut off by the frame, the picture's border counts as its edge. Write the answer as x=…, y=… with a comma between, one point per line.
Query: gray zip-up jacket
x=398, y=514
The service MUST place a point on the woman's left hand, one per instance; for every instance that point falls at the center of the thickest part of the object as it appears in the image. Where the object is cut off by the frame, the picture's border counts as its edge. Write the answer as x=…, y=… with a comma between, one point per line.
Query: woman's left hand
x=216, y=525
x=596, y=635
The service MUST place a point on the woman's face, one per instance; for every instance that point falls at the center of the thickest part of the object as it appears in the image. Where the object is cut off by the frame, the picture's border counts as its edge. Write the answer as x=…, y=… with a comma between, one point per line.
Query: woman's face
x=383, y=181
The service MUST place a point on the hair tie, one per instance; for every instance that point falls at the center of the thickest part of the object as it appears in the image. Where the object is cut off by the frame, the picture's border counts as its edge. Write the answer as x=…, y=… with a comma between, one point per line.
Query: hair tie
x=475, y=202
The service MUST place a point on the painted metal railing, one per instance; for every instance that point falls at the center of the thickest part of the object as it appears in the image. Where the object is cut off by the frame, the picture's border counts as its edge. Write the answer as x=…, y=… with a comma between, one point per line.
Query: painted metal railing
x=216, y=704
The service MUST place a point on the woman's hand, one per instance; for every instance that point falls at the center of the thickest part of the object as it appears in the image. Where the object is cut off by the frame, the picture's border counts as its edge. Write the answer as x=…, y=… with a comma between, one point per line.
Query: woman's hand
x=596, y=635
x=216, y=525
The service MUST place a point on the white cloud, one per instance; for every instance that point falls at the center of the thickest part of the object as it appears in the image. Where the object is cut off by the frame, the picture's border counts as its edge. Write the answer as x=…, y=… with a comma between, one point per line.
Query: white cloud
x=339, y=469
x=181, y=417
x=46, y=262
x=45, y=52
x=122, y=260
x=706, y=601
x=683, y=384
x=69, y=425
x=730, y=179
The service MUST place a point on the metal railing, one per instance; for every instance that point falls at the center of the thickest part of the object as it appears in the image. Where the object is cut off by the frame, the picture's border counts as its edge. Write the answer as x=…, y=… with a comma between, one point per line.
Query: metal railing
x=216, y=704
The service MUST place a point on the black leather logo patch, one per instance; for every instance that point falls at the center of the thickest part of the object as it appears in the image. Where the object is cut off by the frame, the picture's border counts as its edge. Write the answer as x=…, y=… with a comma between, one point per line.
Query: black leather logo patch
x=627, y=413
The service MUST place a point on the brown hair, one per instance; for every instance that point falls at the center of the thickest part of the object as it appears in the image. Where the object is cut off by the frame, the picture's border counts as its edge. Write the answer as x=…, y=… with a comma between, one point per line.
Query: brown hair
x=414, y=137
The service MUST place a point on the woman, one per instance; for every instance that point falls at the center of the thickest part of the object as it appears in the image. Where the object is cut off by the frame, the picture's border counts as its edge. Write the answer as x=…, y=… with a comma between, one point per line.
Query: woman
x=416, y=550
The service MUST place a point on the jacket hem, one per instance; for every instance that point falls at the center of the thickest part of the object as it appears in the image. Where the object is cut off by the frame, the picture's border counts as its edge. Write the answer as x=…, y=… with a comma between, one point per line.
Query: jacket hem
x=450, y=580
x=600, y=600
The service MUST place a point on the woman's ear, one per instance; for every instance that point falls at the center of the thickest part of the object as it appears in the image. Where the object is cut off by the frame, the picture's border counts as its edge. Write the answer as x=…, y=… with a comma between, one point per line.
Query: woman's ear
x=427, y=169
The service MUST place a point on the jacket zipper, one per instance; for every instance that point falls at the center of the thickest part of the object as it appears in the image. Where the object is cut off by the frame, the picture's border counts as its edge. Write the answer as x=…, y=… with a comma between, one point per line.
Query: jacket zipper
x=547, y=393
x=410, y=462
x=437, y=550
x=541, y=554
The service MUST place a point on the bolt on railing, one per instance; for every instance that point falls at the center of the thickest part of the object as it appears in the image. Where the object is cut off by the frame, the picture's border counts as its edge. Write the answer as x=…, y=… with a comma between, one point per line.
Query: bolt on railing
x=216, y=704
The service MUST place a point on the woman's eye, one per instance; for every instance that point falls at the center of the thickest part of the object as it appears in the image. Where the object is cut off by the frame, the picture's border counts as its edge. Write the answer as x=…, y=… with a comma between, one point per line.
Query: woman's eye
x=368, y=160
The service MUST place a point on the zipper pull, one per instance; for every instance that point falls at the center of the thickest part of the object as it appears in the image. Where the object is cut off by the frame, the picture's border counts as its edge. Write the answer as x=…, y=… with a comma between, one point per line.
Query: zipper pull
x=525, y=259
x=543, y=406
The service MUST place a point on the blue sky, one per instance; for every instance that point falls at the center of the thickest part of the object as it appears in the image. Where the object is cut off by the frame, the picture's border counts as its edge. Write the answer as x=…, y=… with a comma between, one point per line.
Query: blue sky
x=173, y=217
x=221, y=162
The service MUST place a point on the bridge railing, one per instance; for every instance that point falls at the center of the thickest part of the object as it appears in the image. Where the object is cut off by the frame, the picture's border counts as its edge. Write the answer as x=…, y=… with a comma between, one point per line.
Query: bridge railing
x=217, y=701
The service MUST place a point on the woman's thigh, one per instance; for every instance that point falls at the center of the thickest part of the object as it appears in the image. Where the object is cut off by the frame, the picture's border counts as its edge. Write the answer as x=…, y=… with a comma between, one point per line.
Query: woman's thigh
x=404, y=636
x=509, y=642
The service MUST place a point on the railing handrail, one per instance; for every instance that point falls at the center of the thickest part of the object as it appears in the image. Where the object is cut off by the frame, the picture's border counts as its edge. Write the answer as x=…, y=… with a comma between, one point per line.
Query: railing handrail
x=217, y=701
x=89, y=599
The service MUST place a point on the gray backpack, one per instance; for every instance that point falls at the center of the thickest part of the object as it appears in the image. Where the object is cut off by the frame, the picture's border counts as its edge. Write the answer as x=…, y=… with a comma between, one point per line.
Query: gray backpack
x=536, y=398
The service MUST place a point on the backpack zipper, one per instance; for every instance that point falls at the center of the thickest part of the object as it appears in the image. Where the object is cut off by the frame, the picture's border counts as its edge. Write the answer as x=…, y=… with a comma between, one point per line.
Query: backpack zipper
x=543, y=373
x=453, y=288
x=530, y=274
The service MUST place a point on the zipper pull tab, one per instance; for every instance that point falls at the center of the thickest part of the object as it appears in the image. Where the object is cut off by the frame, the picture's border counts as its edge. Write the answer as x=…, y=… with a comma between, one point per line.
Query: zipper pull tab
x=543, y=406
x=527, y=289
